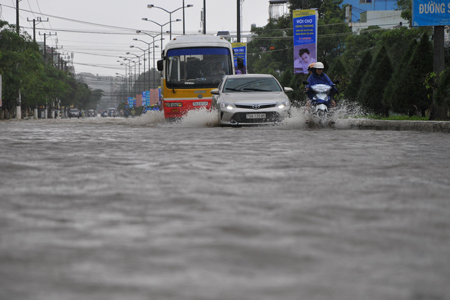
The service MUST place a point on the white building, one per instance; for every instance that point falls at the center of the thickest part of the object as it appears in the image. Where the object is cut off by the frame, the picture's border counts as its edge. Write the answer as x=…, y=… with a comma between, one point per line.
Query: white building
x=385, y=19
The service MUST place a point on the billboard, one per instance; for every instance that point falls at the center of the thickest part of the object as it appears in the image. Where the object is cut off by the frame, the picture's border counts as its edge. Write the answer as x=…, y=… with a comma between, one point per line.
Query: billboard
x=146, y=98
x=431, y=12
x=240, y=51
x=305, y=39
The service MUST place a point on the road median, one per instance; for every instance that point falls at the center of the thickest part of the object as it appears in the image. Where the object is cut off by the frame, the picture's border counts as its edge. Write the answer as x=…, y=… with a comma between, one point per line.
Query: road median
x=365, y=124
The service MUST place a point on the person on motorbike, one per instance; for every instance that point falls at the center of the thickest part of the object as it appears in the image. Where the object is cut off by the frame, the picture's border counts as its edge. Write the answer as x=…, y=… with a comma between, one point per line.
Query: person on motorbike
x=319, y=77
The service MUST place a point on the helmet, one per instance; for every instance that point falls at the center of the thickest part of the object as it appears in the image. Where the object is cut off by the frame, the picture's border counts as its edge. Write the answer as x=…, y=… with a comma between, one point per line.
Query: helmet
x=310, y=66
x=318, y=65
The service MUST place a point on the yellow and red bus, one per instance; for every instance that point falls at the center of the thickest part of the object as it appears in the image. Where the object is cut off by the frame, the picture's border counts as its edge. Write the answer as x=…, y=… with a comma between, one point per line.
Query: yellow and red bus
x=191, y=66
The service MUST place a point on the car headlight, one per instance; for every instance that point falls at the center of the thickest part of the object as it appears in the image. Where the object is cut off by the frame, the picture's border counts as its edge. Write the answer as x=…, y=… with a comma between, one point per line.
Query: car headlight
x=228, y=106
x=282, y=104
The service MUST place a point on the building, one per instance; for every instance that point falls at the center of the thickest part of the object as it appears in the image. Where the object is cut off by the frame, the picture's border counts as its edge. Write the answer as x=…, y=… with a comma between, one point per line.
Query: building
x=384, y=19
x=108, y=84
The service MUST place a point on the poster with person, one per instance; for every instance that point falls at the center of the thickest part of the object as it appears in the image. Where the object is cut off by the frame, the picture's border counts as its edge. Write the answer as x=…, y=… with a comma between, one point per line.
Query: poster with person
x=305, y=39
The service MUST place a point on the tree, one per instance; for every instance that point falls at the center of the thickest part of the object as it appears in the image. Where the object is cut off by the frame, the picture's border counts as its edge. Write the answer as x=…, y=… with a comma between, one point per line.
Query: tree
x=406, y=7
x=420, y=65
x=339, y=74
x=396, y=95
x=356, y=79
x=375, y=82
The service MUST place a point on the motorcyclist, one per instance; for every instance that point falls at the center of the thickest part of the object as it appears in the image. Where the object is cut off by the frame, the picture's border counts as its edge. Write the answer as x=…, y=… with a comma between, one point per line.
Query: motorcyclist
x=319, y=77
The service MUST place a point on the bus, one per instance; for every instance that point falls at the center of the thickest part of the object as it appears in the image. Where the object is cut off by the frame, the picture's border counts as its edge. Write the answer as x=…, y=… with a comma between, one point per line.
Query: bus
x=192, y=66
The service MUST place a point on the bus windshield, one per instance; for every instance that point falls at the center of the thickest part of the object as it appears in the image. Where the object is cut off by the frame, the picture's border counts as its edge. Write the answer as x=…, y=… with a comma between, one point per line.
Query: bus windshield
x=192, y=68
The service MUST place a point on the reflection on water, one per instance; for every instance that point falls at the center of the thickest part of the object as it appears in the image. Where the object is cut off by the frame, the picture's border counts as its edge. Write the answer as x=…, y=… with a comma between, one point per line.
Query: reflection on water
x=137, y=208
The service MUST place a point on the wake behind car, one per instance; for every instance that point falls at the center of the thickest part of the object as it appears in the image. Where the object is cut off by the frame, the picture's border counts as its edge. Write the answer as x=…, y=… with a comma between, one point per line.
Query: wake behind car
x=254, y=99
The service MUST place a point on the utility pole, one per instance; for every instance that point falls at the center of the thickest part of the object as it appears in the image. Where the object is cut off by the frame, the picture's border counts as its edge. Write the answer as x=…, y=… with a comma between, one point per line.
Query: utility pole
x=204, y=16
x=39, y=20
x=19, y=99
x=17, y=17
x=45, y=43
x=438, y=112
x=238, y=21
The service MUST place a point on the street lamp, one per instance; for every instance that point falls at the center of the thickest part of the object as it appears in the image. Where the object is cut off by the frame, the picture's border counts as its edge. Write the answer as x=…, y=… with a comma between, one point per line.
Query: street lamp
x=148, y=44
x=124, y=82
x=162, y=25
x=170, y=15
x=154, y=46
x=132, y=46
x=129, y=69
x=136, y=87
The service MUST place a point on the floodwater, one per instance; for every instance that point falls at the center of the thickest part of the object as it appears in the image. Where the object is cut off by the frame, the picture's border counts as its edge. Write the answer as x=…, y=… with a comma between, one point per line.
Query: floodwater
x=139, y=209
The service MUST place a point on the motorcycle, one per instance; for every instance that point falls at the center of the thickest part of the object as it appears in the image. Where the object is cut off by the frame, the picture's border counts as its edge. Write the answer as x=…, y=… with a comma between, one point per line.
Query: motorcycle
x=321, y=99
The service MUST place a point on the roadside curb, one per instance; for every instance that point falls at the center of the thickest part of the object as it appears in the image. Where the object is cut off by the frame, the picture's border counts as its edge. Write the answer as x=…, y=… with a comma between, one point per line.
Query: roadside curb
x=426, y=126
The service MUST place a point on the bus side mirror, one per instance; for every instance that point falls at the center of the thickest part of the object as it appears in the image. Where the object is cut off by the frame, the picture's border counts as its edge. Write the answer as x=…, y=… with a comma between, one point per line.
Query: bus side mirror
x=160, y=65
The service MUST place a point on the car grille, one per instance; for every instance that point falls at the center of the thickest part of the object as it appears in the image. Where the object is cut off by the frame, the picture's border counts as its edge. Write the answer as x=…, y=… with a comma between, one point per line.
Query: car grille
x=270, y=117
x=251, y=106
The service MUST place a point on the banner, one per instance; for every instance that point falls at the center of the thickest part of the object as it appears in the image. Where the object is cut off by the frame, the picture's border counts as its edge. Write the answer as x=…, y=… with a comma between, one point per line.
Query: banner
x=131, y=102
x=1, y=90
x=305, y=39
x=431, y=12
x=146, y=98
x=240, y=51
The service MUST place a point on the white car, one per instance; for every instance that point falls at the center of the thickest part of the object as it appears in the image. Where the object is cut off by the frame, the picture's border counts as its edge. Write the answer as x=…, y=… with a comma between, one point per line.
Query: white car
x=250, y=99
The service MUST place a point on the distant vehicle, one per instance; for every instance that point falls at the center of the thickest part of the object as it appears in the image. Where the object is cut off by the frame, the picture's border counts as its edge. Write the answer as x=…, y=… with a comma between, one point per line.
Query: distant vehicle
x=91, y=113
x=112, y=112
x=74, y=113
x=251, y=100
x=104, y=113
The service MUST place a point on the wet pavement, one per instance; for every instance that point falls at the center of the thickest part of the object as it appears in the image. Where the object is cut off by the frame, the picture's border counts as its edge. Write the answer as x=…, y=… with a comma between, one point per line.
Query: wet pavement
x=112, y=208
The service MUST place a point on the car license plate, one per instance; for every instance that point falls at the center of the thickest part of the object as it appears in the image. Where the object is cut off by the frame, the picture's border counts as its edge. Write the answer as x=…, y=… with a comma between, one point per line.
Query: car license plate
x=200, y=103
x=255, y=116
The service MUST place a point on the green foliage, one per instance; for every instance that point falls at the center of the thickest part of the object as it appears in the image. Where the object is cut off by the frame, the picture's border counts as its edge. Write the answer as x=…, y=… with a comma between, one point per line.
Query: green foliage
x=375, y=81
x=421, y=63
x=396, y=95
x=406, y=7
x=356, y=80
x=23, y=69
x=339, y=73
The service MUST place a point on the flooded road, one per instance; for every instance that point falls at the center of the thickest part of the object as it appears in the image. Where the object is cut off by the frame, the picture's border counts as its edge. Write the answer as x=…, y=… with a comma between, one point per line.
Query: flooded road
x=137, y=209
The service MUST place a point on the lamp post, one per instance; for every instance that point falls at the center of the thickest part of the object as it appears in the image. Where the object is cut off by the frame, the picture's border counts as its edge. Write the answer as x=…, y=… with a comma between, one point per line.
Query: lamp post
x=132, y=46
x=136, y=88
x=170, y=15
x=130, y=73
x=162, y=25
x=124, y=84
x=148, y=44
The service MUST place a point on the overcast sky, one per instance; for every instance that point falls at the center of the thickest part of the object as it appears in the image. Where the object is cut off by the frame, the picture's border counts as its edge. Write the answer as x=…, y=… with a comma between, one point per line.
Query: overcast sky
x=97, y=32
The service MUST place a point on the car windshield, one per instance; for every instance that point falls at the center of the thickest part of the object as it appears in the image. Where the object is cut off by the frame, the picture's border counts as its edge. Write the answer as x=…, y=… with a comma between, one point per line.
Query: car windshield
x=74, y=110
x=192, y=68
x=251, y=84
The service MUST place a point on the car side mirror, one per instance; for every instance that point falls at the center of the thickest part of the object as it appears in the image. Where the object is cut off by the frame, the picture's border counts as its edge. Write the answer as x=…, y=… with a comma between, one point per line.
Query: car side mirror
x=288, y=90
x=215, y=91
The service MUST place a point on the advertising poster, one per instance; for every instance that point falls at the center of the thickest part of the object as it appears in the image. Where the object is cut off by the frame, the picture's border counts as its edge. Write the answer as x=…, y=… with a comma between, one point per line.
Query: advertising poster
x=305, y=39
x=139, y=99
x=240, y=51
x=431, y=12
x=131, y=102
x=146, y=98
x=154, y=96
